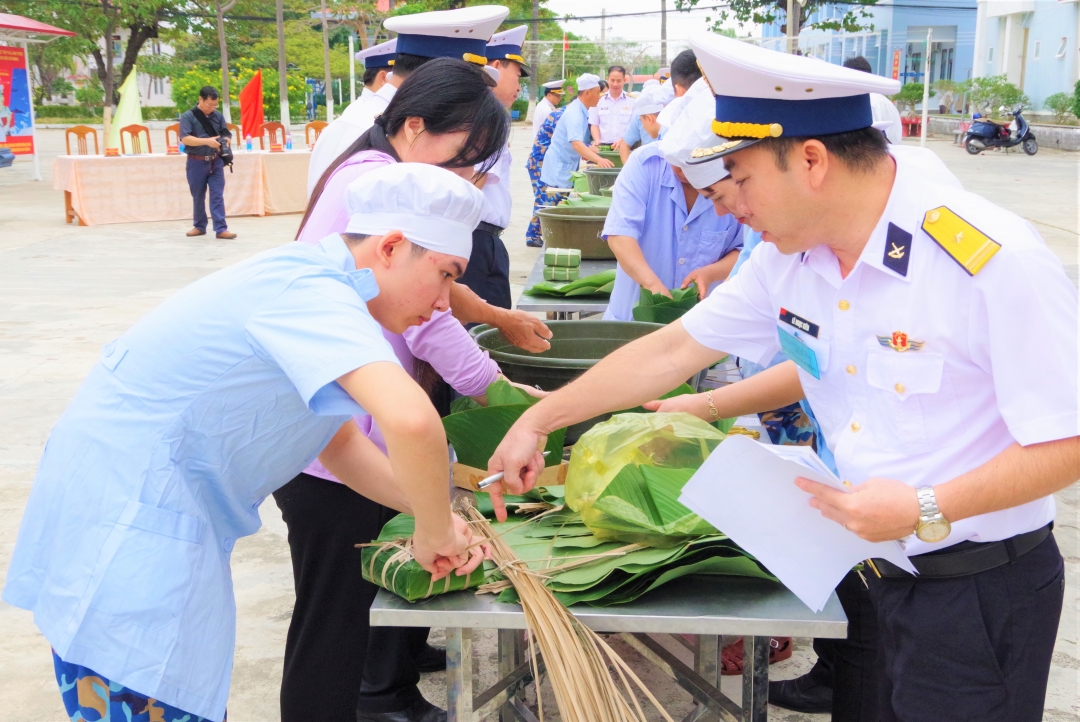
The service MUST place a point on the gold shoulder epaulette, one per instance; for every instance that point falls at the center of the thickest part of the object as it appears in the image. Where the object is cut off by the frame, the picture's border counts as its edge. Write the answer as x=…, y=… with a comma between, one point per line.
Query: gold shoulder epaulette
x=967, y=245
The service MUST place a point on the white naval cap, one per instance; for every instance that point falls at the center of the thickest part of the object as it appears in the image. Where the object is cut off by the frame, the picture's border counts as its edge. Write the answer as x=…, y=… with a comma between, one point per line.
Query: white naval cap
x=554, y=86
x=378, y=56
x=462, y=33
x=507, y=46
x=762, y=93
x=692, y=132
x=431, y=206
x=587, y=81
x=651, y=99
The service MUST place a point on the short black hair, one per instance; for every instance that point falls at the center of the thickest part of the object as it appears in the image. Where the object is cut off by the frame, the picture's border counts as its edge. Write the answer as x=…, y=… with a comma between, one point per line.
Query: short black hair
x=684, y=69
x=620, y=68
x=208, y=92
x=405, y=63
x=370, y=74
x=858, y=63
x=603, y=85
x=859, y=150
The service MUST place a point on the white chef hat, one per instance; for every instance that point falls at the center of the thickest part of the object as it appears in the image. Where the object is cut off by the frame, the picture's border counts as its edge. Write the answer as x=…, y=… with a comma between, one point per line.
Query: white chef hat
x=692, y=131
x=431, y=206
x=651, y=99
x=587, y=81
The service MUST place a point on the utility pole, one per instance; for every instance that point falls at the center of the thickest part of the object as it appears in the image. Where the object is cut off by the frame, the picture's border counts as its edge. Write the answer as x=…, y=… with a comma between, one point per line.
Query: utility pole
x=328, y=83
x=283, y=83
x=352, y=68
x=534, y=59
x=663, y=33
x=926, y=87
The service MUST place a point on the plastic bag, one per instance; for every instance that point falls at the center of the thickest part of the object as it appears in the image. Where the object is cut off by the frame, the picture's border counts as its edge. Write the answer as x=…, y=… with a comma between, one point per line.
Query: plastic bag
x=663, y=440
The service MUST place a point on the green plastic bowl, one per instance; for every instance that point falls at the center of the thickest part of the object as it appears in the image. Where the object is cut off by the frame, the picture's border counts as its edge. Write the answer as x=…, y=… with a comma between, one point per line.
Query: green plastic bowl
x=601, y=178
x=575, y=227
x=613, y=156
x=576, y=346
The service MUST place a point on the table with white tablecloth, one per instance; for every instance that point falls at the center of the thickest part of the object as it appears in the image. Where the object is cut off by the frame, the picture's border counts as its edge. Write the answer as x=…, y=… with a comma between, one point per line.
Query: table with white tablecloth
x=126, y=189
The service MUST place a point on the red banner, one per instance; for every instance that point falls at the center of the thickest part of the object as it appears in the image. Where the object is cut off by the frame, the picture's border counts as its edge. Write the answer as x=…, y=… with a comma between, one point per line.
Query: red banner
x=16, y=130
x=896, y=65
x=251, y=107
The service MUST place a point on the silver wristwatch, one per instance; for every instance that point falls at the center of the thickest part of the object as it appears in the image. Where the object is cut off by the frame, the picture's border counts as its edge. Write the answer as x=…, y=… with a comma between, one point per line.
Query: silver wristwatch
x=932, y=526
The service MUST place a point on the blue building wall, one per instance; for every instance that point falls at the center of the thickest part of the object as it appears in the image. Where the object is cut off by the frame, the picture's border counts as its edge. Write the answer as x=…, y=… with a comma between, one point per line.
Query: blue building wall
x=902, y=27
x=1032, y=43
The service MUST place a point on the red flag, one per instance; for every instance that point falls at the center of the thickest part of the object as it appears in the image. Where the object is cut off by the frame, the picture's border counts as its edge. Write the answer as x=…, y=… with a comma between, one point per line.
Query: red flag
x=565, y=42
x=251, y=106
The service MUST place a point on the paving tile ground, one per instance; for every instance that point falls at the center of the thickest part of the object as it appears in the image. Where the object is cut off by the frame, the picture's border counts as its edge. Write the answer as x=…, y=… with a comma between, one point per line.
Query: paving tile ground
x=66, y=290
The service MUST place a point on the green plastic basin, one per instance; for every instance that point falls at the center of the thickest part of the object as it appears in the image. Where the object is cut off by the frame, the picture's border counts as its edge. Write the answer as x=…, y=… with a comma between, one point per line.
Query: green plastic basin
x=576, y=346
x=600, y=178
x=613, y=156
x=575, y=227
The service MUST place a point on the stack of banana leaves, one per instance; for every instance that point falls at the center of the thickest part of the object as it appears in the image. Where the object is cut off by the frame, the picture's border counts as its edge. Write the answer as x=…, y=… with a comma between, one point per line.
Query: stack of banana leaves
x=658, y=308
x=640, y=536
x=598, y=284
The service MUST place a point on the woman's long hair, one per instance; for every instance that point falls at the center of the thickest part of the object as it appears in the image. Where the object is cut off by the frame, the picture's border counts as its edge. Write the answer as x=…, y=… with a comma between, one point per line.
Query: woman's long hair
x=450, y=96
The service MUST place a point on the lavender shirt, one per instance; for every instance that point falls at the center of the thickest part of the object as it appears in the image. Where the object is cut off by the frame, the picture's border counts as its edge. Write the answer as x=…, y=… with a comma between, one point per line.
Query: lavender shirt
x=443, y=342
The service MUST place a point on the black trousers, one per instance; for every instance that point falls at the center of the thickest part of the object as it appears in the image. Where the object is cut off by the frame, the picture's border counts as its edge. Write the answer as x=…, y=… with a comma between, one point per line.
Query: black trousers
x=849, y=666
x=488, y=272
x=971, y=648
x=326, y=677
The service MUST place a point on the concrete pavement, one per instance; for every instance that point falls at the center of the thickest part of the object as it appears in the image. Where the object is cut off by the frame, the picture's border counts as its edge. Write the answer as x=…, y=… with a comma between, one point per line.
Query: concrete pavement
x=66, y=290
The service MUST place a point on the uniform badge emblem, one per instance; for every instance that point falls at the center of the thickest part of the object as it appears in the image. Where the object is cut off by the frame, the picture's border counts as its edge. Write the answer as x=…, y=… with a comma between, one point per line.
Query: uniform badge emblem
x=897, y=245
x=900, y=342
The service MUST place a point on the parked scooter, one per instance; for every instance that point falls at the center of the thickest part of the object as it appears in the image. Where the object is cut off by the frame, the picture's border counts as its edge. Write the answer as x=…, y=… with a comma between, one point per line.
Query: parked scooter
x=985, y=134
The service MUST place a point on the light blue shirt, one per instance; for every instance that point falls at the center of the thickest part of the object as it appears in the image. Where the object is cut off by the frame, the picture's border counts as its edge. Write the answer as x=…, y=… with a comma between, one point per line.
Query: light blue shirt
x=219, y=396
x=635, y=132
x=648, y=205
x=561, y=159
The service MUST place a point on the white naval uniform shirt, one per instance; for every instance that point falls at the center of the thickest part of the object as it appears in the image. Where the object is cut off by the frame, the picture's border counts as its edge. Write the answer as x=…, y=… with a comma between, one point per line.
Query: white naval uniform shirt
x=613, y=116
x=346, y=128
x=922, y=416
x=540, y=113
x=496, y=191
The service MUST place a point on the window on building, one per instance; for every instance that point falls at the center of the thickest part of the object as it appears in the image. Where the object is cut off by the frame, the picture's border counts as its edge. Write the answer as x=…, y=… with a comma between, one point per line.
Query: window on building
x=990, y=55
x=1061, y=48
x=1038, y=50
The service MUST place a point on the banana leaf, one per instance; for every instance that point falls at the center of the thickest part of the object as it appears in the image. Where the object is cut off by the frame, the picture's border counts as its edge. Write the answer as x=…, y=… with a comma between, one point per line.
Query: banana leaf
x=598, y=284
x=588, y=200
x=387, y=567
x=641, y=505
x=658, y=308
x=476, y=431
x=579, y=181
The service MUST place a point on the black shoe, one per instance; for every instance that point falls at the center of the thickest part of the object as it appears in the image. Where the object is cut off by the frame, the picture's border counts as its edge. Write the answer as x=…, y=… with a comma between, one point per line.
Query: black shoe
x=432, y=659
x=419, y=711
x=534, y=244
x=801, y=694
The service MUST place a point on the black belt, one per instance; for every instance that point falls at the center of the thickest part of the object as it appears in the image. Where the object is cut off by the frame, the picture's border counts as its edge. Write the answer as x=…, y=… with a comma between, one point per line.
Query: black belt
x=967, y=558
x=490, y=228
x=202, y=157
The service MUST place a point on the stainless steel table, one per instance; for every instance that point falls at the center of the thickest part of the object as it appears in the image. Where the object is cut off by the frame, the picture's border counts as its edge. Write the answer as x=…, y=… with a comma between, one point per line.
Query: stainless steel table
x=559, y=309
x=707, y=607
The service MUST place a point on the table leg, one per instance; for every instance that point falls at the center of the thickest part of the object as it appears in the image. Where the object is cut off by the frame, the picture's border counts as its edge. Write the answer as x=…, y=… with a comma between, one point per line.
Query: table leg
x=69, y=212
x=511, y=646
x=459, y=675
x=755, y=692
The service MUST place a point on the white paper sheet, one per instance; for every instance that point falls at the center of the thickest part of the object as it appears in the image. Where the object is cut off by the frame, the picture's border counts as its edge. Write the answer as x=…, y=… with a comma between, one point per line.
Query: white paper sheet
x=747, y=490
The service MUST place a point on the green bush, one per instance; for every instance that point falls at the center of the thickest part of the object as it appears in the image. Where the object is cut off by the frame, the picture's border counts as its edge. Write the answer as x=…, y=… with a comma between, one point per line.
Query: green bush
x=987, y=95
x=1060, y=104
x=521, y=106
x=1076, y=100
x=66, y=111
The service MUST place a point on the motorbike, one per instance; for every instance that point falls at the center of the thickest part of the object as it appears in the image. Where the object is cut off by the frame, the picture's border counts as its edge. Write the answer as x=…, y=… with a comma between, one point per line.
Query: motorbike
x=985, y=134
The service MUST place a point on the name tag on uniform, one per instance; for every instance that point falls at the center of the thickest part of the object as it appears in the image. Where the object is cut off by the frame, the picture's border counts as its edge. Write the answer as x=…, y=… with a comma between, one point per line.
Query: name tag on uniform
x=797, y=350
x=799, y=322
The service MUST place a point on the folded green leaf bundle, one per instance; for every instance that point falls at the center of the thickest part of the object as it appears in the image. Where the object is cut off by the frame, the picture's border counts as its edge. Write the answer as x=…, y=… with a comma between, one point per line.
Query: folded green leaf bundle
x=475, y=431
x=658, y=308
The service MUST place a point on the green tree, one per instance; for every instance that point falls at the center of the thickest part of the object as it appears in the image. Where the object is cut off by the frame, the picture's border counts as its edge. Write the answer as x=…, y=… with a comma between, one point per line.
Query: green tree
x=1060, y=104
x=763, y=12
x=948, y=92
x=910, y=95
x=989, y=94
x=1076, y=99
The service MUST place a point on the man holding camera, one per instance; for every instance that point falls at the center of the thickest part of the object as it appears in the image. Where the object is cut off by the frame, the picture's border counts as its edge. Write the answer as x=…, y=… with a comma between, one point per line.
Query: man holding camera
x=203, y=133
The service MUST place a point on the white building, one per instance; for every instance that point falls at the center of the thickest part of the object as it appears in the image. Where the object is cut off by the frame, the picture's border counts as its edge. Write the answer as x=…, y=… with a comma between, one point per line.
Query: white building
x=152, y=91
